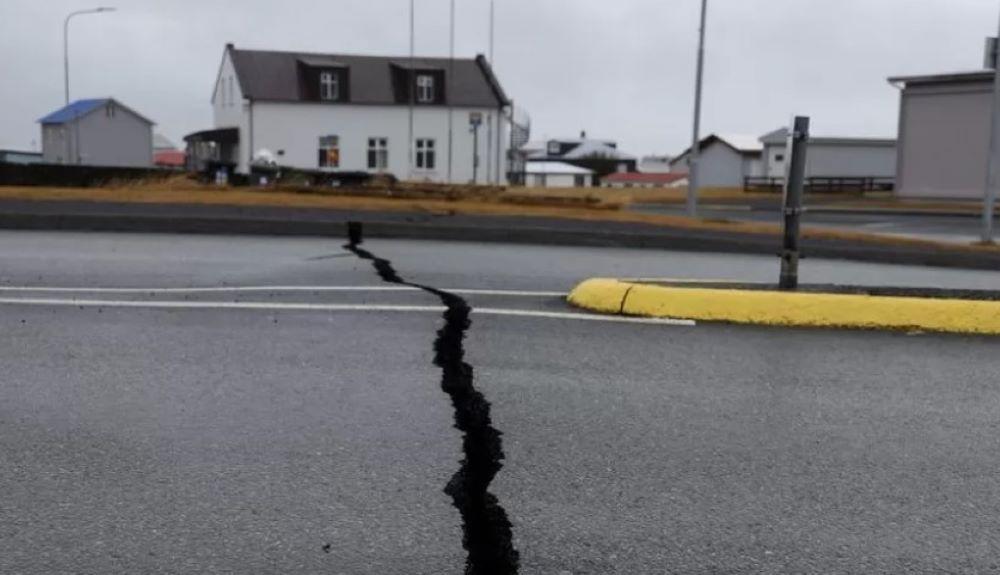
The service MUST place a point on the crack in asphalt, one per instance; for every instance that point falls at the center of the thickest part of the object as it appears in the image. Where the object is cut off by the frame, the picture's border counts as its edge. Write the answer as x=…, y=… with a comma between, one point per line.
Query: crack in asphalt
x=487, y=533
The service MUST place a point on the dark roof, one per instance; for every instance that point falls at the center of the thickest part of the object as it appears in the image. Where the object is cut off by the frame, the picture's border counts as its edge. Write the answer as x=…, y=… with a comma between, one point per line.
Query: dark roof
x=949, y=78
x=81, y=108
x=274, y=76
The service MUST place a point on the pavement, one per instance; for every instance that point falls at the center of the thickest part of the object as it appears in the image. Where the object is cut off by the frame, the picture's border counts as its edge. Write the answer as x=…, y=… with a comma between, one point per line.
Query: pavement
x=178, y=404
x=952, y=228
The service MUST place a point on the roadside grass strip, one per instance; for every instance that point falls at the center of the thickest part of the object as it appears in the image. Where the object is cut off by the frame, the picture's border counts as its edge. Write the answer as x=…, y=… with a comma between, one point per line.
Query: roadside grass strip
x=813, y=309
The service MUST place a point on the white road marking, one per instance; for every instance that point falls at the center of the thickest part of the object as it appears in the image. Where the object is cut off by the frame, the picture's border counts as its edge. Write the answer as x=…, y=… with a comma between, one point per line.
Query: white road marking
x=264, y=289
x=329, y=307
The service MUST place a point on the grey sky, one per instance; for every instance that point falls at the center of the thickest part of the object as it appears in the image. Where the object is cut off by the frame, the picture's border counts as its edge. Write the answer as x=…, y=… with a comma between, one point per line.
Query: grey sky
x=619, y=69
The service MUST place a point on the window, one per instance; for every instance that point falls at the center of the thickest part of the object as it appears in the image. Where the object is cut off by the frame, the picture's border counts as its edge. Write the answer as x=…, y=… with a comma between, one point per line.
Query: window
x=426, y=159
x=329, y=86
x=425, y=89
x=580, y=181
x=554, y=148
x=232, y=95
x=779, y=158
x=109, y=110
x=378, y=153
x=329, y=152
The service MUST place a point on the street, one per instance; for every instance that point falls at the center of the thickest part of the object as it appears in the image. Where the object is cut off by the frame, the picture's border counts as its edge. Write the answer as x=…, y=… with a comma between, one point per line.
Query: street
x=179, y=404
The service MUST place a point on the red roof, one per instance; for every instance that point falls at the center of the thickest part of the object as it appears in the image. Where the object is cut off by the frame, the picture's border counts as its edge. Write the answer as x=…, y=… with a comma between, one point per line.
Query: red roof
x=169, y=158
x=645, y=178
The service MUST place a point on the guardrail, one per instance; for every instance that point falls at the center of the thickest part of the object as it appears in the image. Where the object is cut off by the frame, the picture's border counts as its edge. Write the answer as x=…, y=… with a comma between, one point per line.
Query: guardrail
x=826, y=184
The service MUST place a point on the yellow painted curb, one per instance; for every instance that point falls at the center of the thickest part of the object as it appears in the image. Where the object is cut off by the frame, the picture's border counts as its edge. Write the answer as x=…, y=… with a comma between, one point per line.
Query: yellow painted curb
x=800, y=309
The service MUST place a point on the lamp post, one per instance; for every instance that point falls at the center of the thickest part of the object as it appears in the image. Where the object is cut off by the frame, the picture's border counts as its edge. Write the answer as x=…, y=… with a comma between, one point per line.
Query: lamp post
x=66, y=40
x=692, y=199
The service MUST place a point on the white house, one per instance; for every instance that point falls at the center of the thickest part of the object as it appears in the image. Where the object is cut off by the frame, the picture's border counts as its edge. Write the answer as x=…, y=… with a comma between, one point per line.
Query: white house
x=724, y=160
x=97, y=132
x=353, y=113
x=832, y=157
x=544, y=174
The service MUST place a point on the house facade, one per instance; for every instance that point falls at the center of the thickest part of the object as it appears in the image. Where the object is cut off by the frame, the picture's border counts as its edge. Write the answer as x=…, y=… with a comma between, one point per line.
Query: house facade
x=597, y=157
x=97, y=132
x=832, y=157
x=359, y=114
x=724, y=160
x=944, y=134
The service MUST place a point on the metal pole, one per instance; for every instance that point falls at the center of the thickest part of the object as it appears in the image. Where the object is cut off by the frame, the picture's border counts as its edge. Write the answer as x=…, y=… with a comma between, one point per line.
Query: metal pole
x=475, y=154
x=411, y=80
x=692, y=199
x=66, y=42
x=993, y=162
x=798, y=143
x=492, y=27
x=451, y=107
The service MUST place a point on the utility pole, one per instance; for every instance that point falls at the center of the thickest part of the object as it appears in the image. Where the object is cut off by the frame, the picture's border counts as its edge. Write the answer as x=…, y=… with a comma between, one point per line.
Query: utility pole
x=449, y=95
x=993, y=162
x=411, y=80
x=798, y=143
x=66, y=42
x=692, y=199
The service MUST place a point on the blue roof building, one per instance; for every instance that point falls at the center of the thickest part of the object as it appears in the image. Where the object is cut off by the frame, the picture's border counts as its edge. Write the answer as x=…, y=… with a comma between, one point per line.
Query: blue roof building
x=97, y=132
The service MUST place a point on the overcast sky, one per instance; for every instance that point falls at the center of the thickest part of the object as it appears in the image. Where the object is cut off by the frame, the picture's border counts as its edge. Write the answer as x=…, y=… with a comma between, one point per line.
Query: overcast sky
x=621, y=69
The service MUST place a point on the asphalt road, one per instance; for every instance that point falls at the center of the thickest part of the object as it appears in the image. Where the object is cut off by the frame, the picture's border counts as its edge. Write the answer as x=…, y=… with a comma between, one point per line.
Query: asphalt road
x=302, y=427
x=947, y=228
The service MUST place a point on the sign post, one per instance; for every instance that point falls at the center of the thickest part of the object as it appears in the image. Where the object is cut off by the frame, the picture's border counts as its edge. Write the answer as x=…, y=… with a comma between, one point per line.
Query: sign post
x=798, y=143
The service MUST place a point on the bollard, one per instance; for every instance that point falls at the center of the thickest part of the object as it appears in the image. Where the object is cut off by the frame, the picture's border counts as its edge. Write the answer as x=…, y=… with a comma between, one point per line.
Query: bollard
x=798, y=142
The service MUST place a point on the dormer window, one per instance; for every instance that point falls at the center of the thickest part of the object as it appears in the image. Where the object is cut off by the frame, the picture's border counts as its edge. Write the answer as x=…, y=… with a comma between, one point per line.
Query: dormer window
x=425, y=89
x=329, y=86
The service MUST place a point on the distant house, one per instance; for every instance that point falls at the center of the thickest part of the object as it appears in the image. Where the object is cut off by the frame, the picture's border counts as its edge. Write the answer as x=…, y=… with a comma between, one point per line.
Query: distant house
x=647, y=180
x=832, y=157
x=944, y=134
x=600, y=157
x=20, y=157
x=166, y=154
x=655, y=164
x=352, y=113
x=724, y=160
x=98, y=132
x=557, y=175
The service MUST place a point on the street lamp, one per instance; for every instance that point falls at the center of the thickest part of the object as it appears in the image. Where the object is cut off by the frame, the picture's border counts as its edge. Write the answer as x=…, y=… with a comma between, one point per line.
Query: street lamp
x=692, y=199
x=66, y=40
x=993, y=161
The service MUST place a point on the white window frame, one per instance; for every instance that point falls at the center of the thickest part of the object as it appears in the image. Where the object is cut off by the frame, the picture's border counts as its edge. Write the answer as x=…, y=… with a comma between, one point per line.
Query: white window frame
x=327, y=143
x=425, y=89
x=329, y=86
x=426, y=156
x=380, y=148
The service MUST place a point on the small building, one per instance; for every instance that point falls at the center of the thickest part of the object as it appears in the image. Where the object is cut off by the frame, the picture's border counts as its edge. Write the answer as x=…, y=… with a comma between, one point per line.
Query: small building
x=832, y=157
x=724, y=161
x=545, y=174
x=647, y=180
x=97, y=132
x=361, y=114
x=655, y=164
x=944, y=134
x=20, y=157
x=600, y=156
x=166, y=154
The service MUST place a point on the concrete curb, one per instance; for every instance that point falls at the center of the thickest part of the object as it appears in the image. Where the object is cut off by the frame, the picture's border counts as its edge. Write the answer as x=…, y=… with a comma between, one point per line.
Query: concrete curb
x=739, y=305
